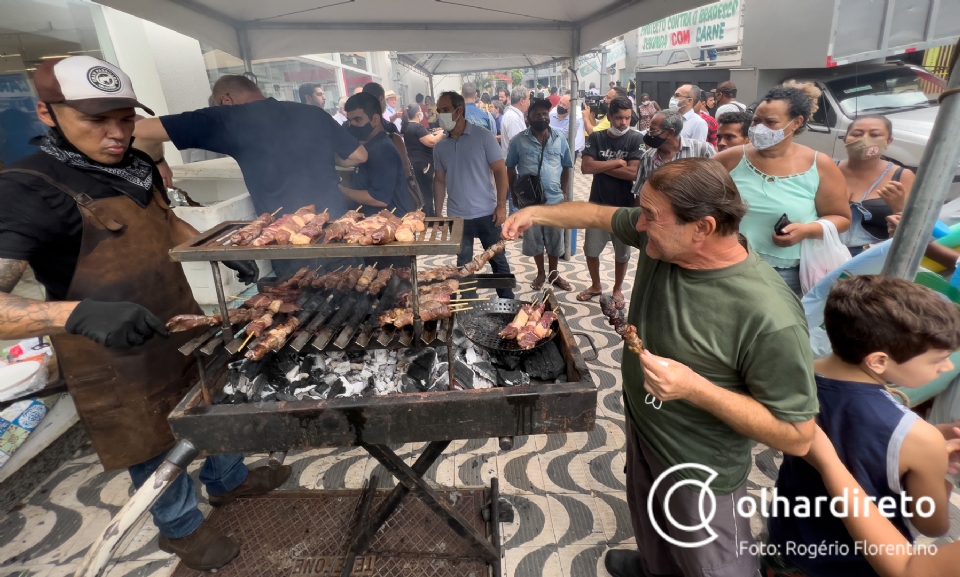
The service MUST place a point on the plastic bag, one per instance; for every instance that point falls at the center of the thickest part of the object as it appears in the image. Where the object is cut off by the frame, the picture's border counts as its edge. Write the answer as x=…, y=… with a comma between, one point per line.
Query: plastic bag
x=818, y=257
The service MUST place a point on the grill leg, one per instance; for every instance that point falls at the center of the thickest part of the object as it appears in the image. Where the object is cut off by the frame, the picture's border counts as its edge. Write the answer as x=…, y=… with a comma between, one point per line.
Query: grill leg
x=423, y=463
x=364, y=511
x=495, y=523
x=434, y=501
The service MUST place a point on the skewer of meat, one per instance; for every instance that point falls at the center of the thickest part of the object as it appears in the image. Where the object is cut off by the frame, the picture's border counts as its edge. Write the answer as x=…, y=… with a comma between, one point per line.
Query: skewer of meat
x=274, y=340
x=482, y=259
x=245, y=235
x=615, y=316
x=340, y=227
x=264, y=300
x=257, y=327
x=379, y=229
x=410, y=224
x=536, y=329
x=333, y=280
x=312, y=230
x=379, y=283
x=349, y=280
x=446, y=287
x=629, y=334
x=519, y=321
x=182, y=323
x=366, y=278
x=403, y=273
x=318, y=282
x=308, y=278
x=439, y=273
x=294, y=281
x=401, y=317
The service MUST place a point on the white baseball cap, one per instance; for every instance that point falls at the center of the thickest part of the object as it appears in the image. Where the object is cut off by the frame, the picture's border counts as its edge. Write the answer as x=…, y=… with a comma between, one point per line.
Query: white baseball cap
x=90, y=85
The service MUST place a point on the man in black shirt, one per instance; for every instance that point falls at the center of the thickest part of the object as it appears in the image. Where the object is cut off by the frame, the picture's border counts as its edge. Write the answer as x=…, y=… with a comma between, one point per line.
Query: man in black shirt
x=612, y=156
x=379, y=182
x=286, y=150
x=376, y=90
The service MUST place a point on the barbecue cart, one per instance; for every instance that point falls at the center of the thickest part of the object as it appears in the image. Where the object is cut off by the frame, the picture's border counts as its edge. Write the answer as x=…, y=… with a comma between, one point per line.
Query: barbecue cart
x=366, y=532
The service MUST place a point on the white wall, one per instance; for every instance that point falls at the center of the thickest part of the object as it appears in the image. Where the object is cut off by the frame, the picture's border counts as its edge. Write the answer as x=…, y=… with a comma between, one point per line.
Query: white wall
x=180, y=65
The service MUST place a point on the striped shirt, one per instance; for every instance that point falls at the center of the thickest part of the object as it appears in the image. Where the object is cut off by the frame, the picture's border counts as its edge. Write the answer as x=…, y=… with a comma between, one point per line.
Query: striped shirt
x=650, y=161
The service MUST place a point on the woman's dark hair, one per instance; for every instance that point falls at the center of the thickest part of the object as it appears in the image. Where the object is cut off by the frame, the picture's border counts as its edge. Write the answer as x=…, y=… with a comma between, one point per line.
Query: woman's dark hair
x=886, y=122
x=410, y=112
x=485, y=98
x=798, y=103
x=644, y=94
x=700, y=187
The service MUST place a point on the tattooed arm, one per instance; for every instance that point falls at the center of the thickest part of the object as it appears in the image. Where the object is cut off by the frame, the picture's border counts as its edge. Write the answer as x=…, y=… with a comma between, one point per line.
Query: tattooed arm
x=21, y=318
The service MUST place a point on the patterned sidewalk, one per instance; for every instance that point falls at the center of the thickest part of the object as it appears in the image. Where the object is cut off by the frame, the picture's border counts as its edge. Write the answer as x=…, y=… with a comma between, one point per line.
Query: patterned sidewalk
x=567, y=490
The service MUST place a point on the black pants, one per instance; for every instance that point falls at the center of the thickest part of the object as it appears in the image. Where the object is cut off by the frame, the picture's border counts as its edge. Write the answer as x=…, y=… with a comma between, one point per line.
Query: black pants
x=425, y=181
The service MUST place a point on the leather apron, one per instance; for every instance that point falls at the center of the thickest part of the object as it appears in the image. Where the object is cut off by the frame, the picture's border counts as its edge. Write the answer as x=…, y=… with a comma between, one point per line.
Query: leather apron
x=123, y=397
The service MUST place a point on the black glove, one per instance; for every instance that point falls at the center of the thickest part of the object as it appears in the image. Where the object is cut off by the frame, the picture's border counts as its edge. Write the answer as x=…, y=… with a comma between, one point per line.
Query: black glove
x=247, y=270
x=115, y=325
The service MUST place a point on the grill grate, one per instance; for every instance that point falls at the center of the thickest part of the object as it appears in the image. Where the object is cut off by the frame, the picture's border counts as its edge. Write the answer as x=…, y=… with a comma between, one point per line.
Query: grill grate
x=306, y=533
x=484, y=323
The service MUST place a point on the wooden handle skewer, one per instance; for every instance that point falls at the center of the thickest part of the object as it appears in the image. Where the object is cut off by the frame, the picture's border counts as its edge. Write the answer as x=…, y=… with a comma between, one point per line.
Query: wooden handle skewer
x=393, y=210
x=250, y=336
x=325, y=211
x=359, y=207
x=469, y=300
x=274, y=213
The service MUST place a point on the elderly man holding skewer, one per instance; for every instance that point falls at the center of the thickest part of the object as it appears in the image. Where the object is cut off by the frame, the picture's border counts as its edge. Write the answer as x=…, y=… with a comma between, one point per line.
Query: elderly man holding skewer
x=724, y=363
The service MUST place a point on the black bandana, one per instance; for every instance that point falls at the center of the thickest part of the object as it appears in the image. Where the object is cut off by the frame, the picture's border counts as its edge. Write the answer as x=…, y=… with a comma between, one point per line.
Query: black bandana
x=132, y=176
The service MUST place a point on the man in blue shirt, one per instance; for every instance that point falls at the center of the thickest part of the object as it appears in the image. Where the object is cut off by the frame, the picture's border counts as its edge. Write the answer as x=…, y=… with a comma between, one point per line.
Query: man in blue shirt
x=287, y=151
x=464, y=161
x=379, y=182
x=543, y=151
x=474, y=114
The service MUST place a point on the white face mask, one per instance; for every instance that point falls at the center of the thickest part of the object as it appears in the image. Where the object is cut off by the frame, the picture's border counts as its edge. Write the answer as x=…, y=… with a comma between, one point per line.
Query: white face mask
x=763, y=137
x=674, y=104
x=616, y=131
x=446, y=121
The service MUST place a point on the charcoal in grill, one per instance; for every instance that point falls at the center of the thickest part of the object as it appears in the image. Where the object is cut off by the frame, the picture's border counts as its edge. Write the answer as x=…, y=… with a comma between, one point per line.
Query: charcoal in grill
x=418, y=374
x=462, y=374
x=507, y=378
x=545, y=363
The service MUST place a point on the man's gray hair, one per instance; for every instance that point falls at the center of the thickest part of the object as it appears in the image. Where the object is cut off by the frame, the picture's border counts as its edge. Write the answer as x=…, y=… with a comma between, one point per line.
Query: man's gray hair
x=670, y=119
x=518, y=94
x=469, y=91
x=694, y=93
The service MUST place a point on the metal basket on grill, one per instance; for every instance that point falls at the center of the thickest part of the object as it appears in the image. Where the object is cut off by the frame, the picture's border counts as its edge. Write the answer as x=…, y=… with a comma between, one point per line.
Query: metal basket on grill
x=483, y=324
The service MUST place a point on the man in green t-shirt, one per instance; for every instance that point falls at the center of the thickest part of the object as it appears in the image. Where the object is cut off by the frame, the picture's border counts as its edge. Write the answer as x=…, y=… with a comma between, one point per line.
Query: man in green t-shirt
x=726, y=362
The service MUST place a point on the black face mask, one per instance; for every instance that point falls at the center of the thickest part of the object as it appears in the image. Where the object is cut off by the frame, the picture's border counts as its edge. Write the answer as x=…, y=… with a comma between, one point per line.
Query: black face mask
x=539, y=125
x=561, y=110
x=654, y=141
x=360, y=132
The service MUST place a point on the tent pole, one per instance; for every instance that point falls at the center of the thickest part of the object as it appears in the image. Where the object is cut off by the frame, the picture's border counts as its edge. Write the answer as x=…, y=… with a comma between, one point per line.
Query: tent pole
x=432, y=96
x=572, y=136
x=934, y=176
x=244, y=41
x=603, y=70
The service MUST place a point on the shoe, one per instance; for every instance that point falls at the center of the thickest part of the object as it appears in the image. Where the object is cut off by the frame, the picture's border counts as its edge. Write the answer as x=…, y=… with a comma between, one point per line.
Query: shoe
x=204, y=549
x=624, y=563
x=259, y=481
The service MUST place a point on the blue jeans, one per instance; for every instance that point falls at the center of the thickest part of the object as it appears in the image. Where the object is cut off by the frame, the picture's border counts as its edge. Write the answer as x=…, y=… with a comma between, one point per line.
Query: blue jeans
x=175, y=513
x=791, y=276
x=488, y=234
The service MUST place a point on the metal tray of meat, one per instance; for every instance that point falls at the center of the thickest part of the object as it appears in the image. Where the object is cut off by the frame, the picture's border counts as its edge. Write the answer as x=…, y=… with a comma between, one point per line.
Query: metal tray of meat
x=538, y=408
x=442, y=236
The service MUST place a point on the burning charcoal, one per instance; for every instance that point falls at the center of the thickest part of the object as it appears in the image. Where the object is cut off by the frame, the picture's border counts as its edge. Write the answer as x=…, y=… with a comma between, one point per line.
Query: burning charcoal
x=336, y=389
x=462, y=374
x=442, y=382
x=341, y=368
x=512, y=378
x=420, y=367
x=486, y=371
x=459, y=338
x=482, y=383
x=546, y=363
x=302, y=392
x=471, y=356
x=353, y=388
x=281, y=396
x=319, y=364
x=509, y=362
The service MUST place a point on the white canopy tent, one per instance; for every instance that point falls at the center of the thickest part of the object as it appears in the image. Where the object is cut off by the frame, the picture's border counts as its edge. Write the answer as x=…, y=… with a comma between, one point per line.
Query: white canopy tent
x=460, y=32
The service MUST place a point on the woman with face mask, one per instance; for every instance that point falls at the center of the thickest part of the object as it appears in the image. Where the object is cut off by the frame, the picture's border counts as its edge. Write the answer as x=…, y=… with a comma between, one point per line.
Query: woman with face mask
x=876, y=188
x=419, y=142
x=777, y=176
x=646, y=108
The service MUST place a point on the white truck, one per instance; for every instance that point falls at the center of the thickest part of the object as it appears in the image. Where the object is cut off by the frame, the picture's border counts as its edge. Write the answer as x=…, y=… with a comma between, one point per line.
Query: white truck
x=849, y=48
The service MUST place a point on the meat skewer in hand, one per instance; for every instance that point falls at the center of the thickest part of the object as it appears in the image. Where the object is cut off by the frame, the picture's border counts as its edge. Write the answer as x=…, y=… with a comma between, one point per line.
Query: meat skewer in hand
x=248, y=233
x=274, y=340
x=615, y=316
x=182, y=323
x=366, y=278
x=410, y=224
x=340, y=227
x=312, y=230
x=482, y=259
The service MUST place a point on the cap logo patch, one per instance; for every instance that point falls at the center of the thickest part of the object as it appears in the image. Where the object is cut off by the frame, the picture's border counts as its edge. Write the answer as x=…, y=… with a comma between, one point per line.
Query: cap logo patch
x=104, y=79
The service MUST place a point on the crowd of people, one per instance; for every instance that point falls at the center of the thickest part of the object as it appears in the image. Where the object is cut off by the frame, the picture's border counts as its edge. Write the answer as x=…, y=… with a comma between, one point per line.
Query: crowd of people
x=716, y=196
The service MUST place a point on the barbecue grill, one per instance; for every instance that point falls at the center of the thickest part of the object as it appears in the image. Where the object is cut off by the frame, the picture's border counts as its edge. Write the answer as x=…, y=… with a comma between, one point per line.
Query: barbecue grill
x=329, y=322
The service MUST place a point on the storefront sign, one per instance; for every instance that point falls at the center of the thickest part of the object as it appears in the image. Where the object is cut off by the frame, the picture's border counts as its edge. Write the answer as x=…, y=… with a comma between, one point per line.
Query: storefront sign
x=711, y=25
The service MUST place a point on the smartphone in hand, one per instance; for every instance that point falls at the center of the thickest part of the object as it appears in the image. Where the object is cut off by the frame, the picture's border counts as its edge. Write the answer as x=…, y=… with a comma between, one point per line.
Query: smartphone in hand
x=781, y=224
